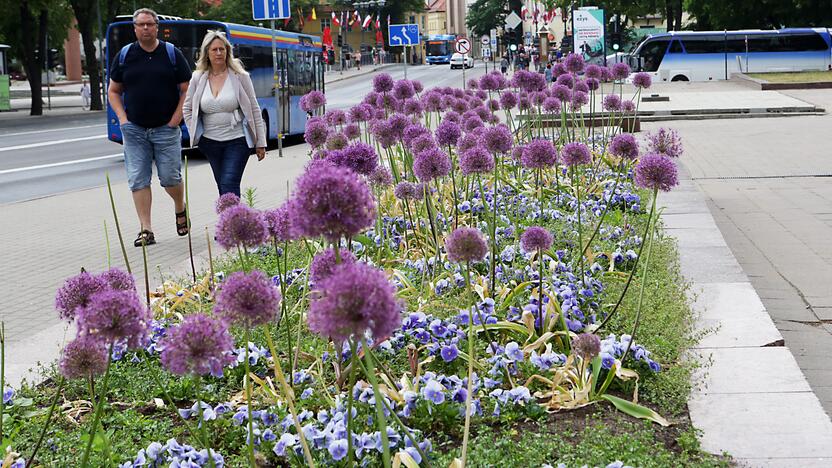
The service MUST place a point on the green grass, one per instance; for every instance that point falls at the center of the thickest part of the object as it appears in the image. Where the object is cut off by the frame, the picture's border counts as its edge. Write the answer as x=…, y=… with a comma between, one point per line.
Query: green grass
x=794, y=77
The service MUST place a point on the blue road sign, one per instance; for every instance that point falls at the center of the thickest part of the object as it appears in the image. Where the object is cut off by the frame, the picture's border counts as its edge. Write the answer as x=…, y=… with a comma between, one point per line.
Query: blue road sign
x=403, y=34
x=270, y=9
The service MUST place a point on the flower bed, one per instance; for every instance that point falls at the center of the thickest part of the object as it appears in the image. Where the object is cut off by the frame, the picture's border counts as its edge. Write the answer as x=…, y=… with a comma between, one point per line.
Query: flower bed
x=443, y=287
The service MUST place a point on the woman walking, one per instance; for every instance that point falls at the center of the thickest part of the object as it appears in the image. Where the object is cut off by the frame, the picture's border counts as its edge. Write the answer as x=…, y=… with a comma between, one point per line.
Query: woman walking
x=222, y=113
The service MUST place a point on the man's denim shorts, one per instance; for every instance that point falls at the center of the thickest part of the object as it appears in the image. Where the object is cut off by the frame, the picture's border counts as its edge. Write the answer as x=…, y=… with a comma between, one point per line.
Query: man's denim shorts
x=144, y=145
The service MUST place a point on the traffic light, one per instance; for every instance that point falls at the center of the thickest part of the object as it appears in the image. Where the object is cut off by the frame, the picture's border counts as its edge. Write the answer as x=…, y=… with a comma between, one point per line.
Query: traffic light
x=52, y=59
x=510, y=37
x=340, y=41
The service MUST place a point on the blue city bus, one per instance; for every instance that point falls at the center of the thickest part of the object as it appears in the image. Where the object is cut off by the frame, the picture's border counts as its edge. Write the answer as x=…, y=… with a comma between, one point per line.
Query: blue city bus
x=299, y=66
x=715, y=55
x=439, y=48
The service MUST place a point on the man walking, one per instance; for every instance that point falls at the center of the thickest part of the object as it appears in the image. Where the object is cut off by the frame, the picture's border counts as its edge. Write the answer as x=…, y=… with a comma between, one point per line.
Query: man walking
x=152, y=79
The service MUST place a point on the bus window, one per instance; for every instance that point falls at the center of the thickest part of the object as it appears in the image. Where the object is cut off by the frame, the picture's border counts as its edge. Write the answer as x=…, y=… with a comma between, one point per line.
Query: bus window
x=705, y=44
x=675, y=47
x=652, y=52
x=800, y=42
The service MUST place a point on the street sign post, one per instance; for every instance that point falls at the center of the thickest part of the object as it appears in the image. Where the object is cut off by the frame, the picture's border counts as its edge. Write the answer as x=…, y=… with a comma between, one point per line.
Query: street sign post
x=270, y=9
x=463, y=46
x=512, y=20
x=403, y=35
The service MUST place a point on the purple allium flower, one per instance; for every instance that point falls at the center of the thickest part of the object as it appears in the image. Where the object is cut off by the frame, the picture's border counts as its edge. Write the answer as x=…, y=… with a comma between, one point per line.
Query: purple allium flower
x=83, y=357
x=620, y=71
x=528, y=81
x=241, y=225
x=517, y=153
x=536, y=238
x=612, y=102
x=498, y=139
x=493, y=105
x=312, y=101
x=579, y=99
x=355, y=298
x=586, y=345
x=562, y=92
x=112, y=316
x=248, y=299
x=432, y=101
x=488, y=82
x=417, y=86
x=199, y=345
x=476, y=160
x=472, y=122
x=431, y=164
x=642, y=80
x=413, y=107
x=593, y=71
x=558, y=69
x=335, y=117
x=278, y=224
x=226, y=200
x=403, y=89
x=352, y=131
x=539, y=154
x=575, y=153
x=606, y=74
x=472, y=83
x=316, y=133
x=567, y=80
x=398, y=123
x=359, y=113
x=468, y=141
x=592, y=83
x=551, y=105
x=380, y=177
x=447, y=133
x=624, y=145
x=666, y=142
x=465, y=244
x=656, y=172
x=481, y=95
x=119, y=279
x=384, y=133
x=331, y=201
x=580, y=85
x=422, y=143
x=324, y=263
x=574, y=63
x=358, y=156
x=76, y=293
x=382, y=83
x=508, y=100
x=628, y=106
x=409, y=191
x=336, y=141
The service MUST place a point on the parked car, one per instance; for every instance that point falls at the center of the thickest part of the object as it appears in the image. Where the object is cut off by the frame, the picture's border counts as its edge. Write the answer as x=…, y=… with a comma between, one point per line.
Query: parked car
x=17, y=76
x=458, y=61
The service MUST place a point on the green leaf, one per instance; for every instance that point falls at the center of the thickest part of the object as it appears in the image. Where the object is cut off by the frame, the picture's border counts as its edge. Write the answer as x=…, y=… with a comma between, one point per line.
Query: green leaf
x=635, y=410
x=517, y=290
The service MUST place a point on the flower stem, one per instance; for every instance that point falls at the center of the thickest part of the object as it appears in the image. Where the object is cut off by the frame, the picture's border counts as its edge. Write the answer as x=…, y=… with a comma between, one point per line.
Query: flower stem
x=649, y=240
x=118, y=227
x=382, y=421
x=247, y=383
x=46, y=423
x=470, y=390
x=353, y=352
x=98, y=407
x=199, y=422
x=190, y=243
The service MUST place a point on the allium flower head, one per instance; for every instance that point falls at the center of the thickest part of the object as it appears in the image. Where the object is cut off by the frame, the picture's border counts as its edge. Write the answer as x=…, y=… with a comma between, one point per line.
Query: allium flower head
x=355, y=298
x=580, y=86
x=312, y=101
x=413, y=131
x=226, y=200
x=579, y=99
x=384, y=133
x=352, y=131
x=432, y=101
x=620, y=71
x=592, y=83
x=199, y=345
x=586, y=345
x=562, y=92
x=575, y=153
x=488, y=82
x=431, y=164
x=476, y=160
x=624, y=145
x=552, y=105
x=558, y=69
x=574, y=63
x=666, y=142
x=473, y=83
x=83, y=357
x=112, y=316
x=567, y=80
x=278, y=223
x=380, y=177
x=119, y=279
x=498, y=139
x=539, y=154
x=331, y=201
x=359, y=113
x=403, y=89
x=628, y=106
x=612, y=102
x=336, y=141
x=417, y=86
x=398, y=122
x=382, y=83
x=248, y=299
x=593, y=71
x=76, y=293
x=316, y=133
x=409, y=191
x=358, y=156
x=466, y=244
x=656, y=172
x=324, y=263
x=508, y=100
x=241, y=225
x=536, y=238
x=642, y=80
x=469, y=140
x=413, y=107
x=447, y=133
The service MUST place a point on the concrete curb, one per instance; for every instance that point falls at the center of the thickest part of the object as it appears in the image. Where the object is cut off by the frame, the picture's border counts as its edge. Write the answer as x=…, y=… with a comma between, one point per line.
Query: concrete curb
x=763, y=85
x=363, y=73
x=753, y=401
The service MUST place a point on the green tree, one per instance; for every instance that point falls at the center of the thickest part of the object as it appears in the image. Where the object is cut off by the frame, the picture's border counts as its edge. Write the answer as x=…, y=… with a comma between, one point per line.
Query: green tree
x=485, y=15
x=763, y=14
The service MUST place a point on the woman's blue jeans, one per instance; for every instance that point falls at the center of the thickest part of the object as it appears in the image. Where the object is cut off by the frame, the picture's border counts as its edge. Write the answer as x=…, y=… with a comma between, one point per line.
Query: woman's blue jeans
x=228, y=160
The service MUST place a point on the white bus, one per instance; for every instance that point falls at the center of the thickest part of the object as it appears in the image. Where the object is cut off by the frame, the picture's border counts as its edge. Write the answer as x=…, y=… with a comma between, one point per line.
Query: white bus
x=715, y=55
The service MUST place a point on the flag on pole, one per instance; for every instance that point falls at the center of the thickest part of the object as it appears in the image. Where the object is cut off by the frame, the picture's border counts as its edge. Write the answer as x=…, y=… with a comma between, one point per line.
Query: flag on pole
x=524, y=13
x=300, y=18
x=367, y=21
x=314, y=16
x=378, y=22
x=335, y=20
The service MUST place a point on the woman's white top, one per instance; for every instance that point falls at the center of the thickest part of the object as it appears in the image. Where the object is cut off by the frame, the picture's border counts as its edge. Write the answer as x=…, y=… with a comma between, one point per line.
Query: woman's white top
x=221, y=116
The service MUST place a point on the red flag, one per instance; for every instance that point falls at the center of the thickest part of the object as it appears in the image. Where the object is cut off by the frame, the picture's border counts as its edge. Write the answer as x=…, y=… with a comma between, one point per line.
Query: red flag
x=379, y=37
x=327, y=37
x=378, y=22
x=335, y=20
x=367, y=21
x=524, y=13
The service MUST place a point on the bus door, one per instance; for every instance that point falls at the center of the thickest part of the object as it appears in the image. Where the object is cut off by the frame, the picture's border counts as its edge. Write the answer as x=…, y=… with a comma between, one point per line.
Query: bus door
x=282, y=91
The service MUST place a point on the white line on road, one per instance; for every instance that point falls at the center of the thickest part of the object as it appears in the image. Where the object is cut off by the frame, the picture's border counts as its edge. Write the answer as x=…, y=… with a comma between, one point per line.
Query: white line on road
x=64, y=163
x=50, y=130
x=50, y=143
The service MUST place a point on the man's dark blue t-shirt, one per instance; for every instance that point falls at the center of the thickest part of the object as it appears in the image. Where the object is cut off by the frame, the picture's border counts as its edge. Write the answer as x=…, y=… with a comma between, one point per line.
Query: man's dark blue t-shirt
x=151, y=84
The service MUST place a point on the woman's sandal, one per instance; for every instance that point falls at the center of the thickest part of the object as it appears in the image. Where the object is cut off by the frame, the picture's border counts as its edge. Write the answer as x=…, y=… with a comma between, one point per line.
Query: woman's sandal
x=145, y=237
x=184, y=227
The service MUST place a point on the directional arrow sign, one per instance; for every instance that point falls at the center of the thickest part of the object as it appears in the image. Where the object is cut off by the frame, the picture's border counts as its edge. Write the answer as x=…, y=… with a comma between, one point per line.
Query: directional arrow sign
x=463, y=46
x=403, y=34
x=270, y=9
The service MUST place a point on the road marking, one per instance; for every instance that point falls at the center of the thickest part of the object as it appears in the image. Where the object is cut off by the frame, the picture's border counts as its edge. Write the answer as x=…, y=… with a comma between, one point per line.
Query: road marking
x=50, y=143
x=64, y=163
x=50, y=130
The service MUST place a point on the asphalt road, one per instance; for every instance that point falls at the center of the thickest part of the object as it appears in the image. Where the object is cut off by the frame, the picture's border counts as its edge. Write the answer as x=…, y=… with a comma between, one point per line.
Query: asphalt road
x=44, y=156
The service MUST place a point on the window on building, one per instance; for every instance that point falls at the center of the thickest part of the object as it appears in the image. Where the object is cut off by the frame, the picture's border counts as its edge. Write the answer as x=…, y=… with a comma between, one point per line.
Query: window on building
x=326, y=23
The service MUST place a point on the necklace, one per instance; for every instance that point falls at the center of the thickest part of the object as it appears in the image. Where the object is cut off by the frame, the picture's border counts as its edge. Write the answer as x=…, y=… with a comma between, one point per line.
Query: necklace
x=217, y=74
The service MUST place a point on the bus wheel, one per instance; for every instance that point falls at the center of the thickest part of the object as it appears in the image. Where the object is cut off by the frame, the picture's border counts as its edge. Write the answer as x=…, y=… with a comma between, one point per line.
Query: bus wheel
x=680, y=78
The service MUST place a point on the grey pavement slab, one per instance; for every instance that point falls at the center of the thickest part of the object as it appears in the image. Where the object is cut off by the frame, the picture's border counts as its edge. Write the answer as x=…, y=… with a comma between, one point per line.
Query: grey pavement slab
x=749, y=370
x=736, y=313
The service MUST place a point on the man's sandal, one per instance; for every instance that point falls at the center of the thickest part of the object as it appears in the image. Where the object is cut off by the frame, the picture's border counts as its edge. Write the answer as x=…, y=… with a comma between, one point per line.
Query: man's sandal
x=145, y=237
x=184, y=227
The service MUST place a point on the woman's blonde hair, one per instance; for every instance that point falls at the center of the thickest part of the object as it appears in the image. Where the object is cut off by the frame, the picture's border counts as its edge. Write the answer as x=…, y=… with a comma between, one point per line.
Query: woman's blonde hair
x=203, y=63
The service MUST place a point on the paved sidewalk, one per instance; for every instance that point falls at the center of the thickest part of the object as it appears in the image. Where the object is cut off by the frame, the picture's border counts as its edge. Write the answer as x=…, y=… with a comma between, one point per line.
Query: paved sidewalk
x=47, y=240
x=335, y=76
